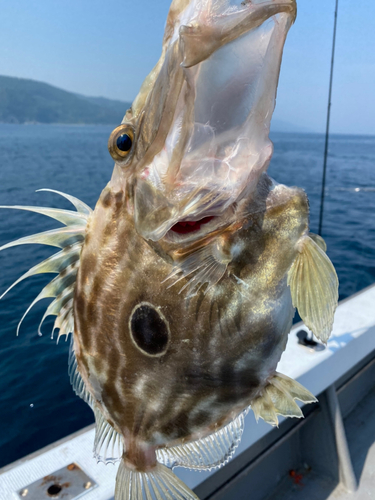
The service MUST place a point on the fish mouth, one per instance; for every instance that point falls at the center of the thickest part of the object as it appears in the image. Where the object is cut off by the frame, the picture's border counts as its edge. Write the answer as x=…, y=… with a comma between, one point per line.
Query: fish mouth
x=211, y=144
x=190, y=226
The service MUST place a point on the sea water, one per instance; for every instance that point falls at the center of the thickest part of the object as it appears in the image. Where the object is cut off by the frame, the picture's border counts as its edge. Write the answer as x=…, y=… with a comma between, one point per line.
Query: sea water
x=37, y=404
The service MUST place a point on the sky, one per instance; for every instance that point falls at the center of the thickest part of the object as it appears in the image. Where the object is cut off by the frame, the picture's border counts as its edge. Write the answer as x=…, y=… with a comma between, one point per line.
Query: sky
x=107, y=47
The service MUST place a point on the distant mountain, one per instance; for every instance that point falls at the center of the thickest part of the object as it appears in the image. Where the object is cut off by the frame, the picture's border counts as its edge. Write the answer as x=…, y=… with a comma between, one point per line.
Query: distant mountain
x=28, y=101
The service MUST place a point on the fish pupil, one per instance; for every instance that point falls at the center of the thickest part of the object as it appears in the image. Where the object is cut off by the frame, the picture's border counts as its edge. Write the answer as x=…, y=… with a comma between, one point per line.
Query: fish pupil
x=124, y=143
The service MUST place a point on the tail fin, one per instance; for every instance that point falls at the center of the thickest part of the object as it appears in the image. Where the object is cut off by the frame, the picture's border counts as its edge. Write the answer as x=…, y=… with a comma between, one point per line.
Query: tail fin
x=158, y=484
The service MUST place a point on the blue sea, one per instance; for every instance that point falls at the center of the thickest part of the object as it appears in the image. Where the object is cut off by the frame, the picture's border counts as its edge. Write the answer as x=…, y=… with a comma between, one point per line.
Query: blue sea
x=37, y=405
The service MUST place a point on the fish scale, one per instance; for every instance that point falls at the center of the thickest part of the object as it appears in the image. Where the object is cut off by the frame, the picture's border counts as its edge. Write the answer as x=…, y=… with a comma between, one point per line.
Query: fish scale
x=180, y=287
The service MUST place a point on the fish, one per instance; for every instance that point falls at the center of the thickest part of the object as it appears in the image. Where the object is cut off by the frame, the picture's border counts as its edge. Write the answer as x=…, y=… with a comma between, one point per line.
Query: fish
x=180, y=287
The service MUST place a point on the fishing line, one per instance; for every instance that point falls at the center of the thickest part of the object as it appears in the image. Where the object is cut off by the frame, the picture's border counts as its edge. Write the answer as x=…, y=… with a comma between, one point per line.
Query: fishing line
x=328, y=123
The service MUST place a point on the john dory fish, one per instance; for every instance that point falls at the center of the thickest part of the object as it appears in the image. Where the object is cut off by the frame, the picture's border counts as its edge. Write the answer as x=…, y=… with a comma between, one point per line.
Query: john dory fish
x=179, y=289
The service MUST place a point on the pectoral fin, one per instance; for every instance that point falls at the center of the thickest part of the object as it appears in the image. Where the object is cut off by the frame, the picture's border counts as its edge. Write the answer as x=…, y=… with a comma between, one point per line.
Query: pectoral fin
x=319, y=241
x=314, y=287
x=204, y=266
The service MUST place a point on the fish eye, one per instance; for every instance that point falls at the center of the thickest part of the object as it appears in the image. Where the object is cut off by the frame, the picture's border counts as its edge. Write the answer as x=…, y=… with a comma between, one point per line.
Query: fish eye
x=120, y=142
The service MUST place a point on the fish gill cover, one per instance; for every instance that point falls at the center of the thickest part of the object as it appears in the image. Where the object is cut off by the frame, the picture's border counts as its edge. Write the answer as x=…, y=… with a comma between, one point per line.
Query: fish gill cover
x=179, y=289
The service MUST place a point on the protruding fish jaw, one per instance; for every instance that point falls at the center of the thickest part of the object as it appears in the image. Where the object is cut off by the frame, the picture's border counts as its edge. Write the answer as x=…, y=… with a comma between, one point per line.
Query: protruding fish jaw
x=203, y=142
x=211, y=30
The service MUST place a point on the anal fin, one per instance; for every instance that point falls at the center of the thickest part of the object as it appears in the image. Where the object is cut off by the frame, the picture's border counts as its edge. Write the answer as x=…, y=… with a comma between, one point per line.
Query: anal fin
x=278, y=398
x=207, y=453
x=108, y=447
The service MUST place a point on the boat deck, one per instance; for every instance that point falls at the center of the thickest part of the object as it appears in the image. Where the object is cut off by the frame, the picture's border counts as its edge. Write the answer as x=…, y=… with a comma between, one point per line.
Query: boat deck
x=360, y=432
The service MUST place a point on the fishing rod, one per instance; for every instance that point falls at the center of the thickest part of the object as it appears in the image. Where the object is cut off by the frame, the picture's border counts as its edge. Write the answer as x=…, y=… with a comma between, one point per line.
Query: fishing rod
x=328, y=123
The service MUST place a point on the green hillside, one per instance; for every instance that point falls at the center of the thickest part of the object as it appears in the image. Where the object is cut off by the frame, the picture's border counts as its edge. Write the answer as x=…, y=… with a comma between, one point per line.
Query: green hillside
x=28, y=101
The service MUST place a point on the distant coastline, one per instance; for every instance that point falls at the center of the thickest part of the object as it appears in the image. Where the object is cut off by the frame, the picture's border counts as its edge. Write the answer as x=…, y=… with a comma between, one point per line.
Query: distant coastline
x=30, y=102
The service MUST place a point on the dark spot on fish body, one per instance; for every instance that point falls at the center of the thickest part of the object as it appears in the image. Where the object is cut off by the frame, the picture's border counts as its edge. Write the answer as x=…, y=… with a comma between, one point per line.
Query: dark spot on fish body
x=109, y=198
x=119, y=198
x=106, y=197
x=149, y=330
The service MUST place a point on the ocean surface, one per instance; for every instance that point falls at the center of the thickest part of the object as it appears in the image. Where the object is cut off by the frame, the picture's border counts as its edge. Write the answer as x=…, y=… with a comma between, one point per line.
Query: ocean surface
x=37, y=404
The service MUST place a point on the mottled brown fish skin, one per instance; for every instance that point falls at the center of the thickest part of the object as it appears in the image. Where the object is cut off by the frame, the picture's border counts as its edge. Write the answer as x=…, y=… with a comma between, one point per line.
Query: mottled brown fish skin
x=213, y=353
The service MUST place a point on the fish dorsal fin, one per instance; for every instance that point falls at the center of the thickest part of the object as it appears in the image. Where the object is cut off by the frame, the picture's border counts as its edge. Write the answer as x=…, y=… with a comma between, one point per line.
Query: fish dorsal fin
x=65, y=263
x=278, y=398
x=81, y=207
x=314, y=286
x=76, y=379
x=207, y=453
x=108, y=447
